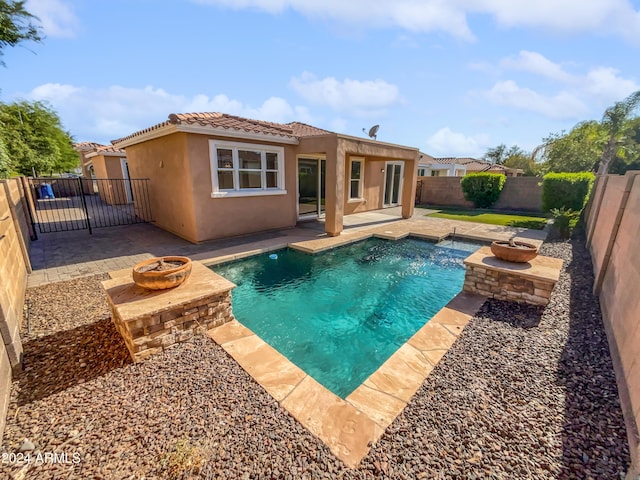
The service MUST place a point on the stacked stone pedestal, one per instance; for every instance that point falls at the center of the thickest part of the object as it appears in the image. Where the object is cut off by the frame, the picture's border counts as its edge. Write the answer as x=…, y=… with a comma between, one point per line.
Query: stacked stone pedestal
x=530, y=282
x=151, y=321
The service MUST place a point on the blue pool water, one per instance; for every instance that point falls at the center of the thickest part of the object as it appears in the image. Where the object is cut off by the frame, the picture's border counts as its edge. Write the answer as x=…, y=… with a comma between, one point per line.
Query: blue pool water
x=340, y=314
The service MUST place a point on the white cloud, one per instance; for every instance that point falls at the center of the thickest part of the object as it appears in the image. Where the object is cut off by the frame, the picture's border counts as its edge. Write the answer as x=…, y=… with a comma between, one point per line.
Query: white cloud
x=105, y=114
x=56, y=17
x=563, y=105
x=361, y=98
x=447, y=143
x=536, y=63
x=608, y=17
x=618, y=17
x=577, y=94
x=603, y=83
x=412, y=15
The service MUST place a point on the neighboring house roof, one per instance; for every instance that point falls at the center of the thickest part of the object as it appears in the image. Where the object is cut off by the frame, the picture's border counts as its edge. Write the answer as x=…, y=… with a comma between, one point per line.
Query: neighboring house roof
x=92, y=149
x=222, y=122
x=441, y=161
x=86, y=146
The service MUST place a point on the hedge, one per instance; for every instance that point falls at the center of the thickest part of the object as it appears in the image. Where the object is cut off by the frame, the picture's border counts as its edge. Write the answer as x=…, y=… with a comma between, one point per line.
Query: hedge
x=483, y=189
x=566, y=190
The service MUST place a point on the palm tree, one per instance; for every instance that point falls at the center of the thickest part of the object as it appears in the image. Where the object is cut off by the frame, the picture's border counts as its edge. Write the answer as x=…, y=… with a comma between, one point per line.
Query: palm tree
x=614, y=121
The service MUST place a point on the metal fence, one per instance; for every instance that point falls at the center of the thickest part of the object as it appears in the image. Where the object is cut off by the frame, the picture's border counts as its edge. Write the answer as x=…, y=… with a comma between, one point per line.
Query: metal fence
x=63, y=204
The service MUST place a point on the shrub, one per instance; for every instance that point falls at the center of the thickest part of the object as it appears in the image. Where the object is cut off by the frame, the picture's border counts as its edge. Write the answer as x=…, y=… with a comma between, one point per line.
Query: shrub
x=483, y=189
x=564, y=221
x=566, y=191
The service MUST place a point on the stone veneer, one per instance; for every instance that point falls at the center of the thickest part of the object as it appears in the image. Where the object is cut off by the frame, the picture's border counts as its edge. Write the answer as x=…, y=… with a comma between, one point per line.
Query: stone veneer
x=530, y=282
x=150, y=321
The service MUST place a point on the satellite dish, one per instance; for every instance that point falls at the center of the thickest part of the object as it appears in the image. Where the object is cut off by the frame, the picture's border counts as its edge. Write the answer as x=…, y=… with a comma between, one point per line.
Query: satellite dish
x=372, y=131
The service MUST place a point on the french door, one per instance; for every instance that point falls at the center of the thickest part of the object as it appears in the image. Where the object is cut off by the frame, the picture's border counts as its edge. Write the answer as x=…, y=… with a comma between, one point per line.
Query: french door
x=311, y=187
x=393, y=184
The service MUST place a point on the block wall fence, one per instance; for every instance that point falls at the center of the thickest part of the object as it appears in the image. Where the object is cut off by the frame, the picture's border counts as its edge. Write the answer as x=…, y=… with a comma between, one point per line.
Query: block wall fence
x=14, y=268
x=519, y=193
x=613, y=238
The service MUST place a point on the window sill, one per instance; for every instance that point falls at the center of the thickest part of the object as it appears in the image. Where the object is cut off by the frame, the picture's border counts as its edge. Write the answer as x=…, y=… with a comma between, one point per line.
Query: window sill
x=248, y=193
x=355, y=200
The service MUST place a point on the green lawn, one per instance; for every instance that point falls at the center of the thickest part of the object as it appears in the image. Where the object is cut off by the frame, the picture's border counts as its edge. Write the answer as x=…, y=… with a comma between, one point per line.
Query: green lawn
x=530, y=220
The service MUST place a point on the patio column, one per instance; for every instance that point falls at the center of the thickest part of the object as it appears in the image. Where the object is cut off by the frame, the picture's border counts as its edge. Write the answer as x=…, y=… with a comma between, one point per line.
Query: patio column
x=334, y=204
x=409, y=187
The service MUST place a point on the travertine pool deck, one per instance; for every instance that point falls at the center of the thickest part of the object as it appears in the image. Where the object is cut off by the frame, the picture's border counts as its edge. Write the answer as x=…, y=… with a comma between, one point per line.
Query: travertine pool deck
x=349, y=427
x=67, y=255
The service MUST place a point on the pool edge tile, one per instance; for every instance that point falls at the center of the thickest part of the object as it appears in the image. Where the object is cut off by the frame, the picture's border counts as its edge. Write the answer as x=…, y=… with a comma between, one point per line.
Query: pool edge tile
x=273, y=371
x=228, y=332
x=381, y=407
x=347, y=431
x=402, y=374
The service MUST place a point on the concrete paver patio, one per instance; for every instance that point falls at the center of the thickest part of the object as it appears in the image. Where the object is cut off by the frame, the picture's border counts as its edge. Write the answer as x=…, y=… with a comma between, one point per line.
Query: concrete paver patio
x=67, y=255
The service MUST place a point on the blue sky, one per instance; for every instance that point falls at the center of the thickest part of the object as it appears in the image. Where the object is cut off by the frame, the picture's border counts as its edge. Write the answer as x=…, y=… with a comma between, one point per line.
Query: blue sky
x=452, y=78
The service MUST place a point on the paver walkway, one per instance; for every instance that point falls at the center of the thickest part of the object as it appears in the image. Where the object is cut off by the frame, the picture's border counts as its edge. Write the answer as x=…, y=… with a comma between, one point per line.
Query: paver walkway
x=67, y=255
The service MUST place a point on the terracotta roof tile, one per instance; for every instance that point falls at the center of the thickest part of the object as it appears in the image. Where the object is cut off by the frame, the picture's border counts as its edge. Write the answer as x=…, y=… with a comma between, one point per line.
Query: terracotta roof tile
x=86, y=146
x=232, y=122
x=109, y=149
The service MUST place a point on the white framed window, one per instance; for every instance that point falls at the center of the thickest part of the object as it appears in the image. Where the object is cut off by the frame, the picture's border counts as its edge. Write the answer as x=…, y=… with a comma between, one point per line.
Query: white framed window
x=246, y=169
x=356, y=175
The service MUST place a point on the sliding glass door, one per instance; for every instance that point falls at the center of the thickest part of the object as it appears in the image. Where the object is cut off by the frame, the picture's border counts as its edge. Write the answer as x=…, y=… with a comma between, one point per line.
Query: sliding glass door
x=393, y=184
x=311, y=187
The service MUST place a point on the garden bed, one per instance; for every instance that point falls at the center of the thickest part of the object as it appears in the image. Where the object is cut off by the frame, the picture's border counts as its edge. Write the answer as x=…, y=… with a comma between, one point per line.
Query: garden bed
x=523, y=393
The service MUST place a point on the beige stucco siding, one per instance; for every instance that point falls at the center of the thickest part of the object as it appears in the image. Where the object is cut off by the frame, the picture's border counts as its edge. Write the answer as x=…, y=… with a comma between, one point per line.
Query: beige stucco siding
x=165, y=162
x=226, y=217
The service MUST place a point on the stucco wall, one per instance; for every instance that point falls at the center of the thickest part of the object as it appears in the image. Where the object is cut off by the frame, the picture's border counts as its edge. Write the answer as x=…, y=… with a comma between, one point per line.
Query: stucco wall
x=14, y=266
x=519, y=193
x=442, y=191
x=227, y=217
x=614, y=219
x=164, y=161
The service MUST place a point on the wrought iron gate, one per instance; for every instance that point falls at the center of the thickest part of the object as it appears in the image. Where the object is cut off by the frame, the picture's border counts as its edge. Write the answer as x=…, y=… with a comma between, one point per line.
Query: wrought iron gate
x=63, y=204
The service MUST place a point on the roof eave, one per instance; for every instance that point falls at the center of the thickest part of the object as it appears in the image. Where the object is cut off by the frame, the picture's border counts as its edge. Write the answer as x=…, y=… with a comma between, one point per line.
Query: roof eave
x=204, y=130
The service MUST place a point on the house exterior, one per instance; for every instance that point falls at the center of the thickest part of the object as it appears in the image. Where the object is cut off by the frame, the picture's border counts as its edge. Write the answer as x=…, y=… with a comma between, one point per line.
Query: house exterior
x=458, y=167
x=106, y=171
x=440, y=167
x=214, y=175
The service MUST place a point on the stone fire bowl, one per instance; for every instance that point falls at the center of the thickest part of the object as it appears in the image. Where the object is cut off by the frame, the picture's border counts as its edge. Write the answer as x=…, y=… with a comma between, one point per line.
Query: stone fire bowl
x=168, y=277
x=520, y=253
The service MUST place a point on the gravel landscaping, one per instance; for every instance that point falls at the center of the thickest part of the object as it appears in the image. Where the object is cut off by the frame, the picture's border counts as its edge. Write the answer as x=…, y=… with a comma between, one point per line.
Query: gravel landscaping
x=524, y=393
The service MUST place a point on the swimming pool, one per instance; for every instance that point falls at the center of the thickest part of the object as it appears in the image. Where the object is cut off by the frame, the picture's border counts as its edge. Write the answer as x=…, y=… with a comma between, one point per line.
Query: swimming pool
x=339, y=315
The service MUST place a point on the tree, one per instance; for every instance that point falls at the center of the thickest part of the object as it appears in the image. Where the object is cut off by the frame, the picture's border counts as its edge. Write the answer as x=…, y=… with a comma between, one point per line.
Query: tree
x=576, y=151
x=523, y=162
x=496, y=155
x=16, y=25
x=35, y=139
x=615, y=120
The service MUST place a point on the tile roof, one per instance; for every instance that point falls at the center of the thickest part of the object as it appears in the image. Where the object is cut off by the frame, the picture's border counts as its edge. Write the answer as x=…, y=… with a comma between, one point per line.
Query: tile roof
x=109, y=149
x=86, y=146
x=291, y=130
x=448, y=160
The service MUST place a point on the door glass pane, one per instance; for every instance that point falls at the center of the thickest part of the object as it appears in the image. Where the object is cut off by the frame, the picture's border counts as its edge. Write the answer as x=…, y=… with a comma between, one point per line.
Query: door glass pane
x=397, y=176
x=307, y=186
x=388, y=184
x=323, y=171
x=250, y=180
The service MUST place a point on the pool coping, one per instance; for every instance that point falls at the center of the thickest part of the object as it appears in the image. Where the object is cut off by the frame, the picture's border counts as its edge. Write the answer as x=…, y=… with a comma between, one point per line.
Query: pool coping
x=350, y=426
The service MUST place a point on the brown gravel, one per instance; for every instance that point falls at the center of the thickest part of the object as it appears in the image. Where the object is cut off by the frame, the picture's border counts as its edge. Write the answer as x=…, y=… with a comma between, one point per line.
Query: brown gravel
x=524, y=393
